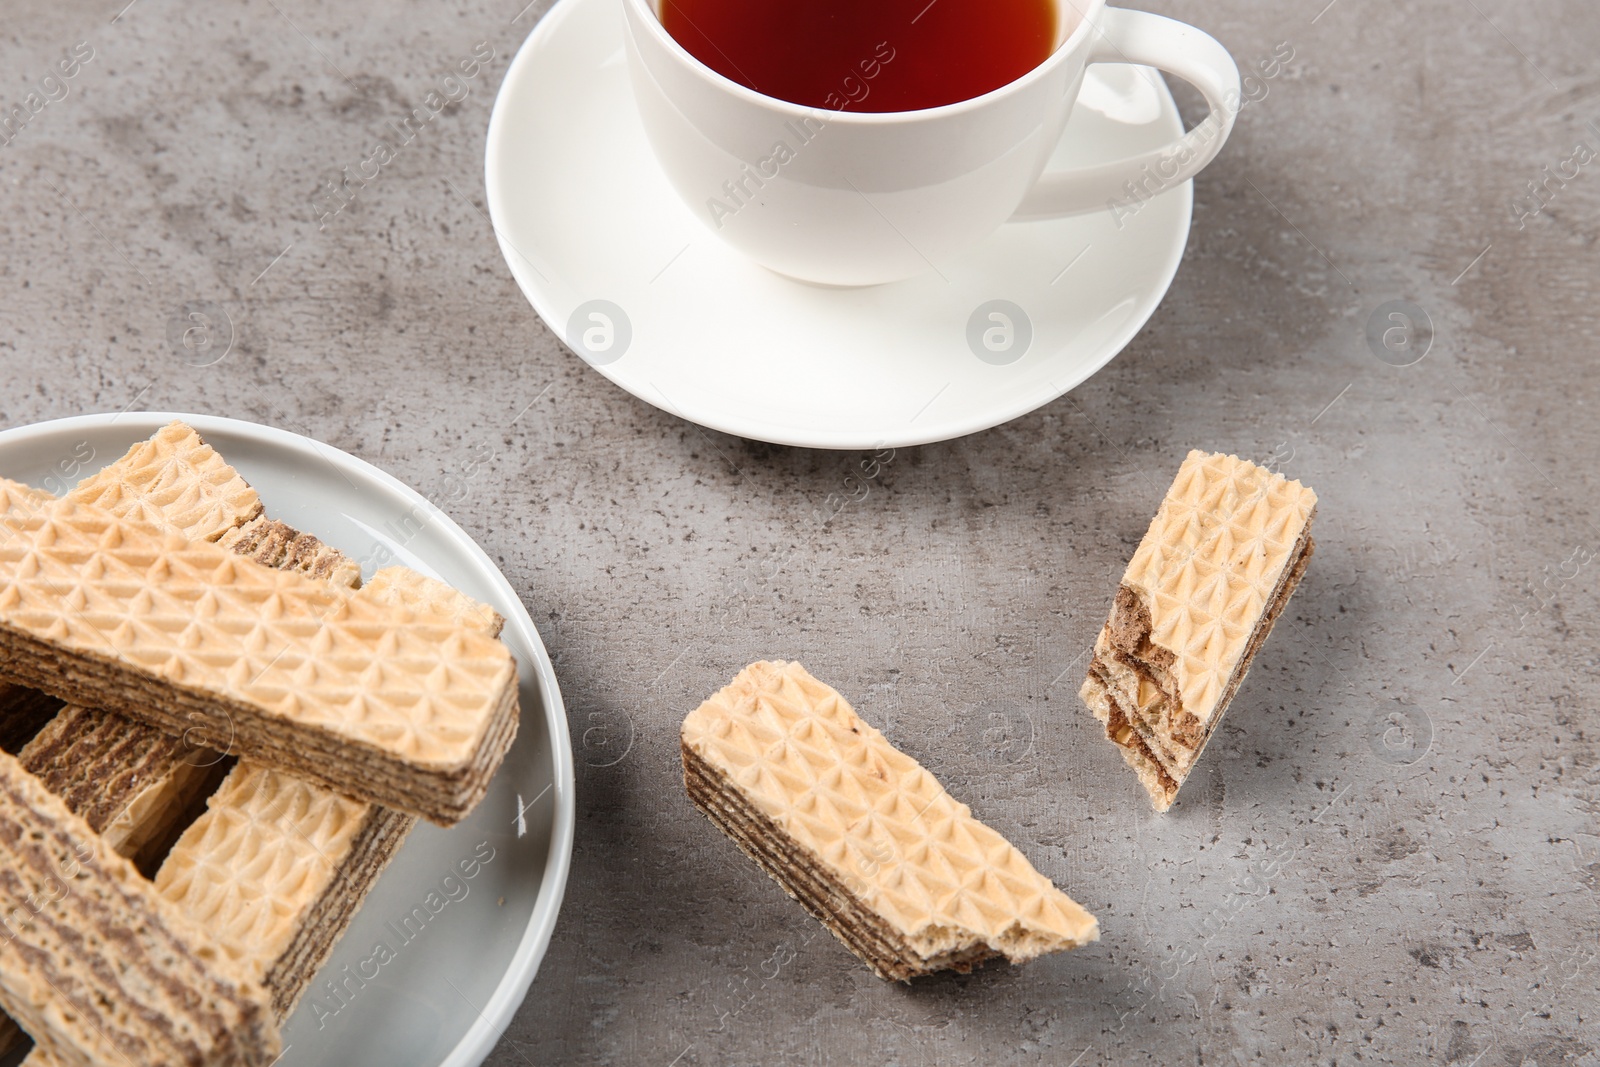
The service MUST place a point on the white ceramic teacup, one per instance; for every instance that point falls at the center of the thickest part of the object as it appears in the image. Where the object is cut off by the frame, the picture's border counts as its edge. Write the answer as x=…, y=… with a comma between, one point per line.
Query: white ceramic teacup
x=857, y=198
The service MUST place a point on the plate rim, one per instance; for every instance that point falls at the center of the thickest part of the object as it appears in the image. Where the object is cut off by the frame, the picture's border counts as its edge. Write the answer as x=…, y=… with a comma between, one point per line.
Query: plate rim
x=750, y=428
x=494, y=1018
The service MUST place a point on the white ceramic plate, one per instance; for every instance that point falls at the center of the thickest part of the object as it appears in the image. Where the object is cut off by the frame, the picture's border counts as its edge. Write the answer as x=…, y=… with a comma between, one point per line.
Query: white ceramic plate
x=463, y=963
x=583, y=214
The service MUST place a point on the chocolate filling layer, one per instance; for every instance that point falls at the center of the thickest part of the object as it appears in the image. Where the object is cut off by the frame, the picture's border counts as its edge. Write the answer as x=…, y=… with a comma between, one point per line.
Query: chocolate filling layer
x=1122, y=731
x=276, y=544
x=1128, y=633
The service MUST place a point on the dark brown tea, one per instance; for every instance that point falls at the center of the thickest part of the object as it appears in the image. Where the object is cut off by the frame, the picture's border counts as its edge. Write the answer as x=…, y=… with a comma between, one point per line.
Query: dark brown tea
x=866, y=55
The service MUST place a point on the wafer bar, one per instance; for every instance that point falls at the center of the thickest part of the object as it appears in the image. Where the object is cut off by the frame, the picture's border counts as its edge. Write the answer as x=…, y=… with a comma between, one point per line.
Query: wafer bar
x=132, y=782
x=862, y=835
x=274, y=871
x=97, y=967
x=1216, y=567
x=334, y=686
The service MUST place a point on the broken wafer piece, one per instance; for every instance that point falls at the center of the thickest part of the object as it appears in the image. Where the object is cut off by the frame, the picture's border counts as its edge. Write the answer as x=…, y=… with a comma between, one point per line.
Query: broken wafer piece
x=411, y=711
x=96, y=966
x=173, y=479
x=1215, y=569
x=862, y=835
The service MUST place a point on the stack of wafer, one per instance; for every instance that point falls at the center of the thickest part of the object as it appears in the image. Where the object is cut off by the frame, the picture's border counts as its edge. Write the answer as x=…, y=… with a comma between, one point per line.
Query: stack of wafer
x=862, y=836
x=276, y=867
x=96, y=965
x=411, y=711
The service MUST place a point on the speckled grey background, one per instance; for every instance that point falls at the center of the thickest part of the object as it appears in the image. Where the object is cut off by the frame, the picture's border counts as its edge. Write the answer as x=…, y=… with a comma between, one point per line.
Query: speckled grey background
x=1390, y=853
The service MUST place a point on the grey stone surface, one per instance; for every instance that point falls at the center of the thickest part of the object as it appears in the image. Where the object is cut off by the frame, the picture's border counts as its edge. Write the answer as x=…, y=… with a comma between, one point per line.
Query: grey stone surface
x=1390, y=853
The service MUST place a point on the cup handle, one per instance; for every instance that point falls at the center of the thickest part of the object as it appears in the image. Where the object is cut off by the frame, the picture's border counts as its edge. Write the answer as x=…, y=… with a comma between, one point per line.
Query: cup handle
x=1156, y=41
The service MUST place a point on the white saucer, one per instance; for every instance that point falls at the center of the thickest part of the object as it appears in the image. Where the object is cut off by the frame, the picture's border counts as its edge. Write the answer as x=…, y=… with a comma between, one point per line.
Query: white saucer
x=584, y=215
x=452, y=984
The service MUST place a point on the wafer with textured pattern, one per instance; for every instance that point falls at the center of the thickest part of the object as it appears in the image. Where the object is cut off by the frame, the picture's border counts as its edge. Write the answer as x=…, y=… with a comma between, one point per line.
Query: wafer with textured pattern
x=96, y=966
x=862, y=835
x=277, y=867
x=1226, y=549
x=176, y=480
x=409, y=711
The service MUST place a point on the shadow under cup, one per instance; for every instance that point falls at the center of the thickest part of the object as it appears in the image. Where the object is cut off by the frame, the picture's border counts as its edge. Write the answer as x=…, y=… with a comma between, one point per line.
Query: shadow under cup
x=849, y=198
